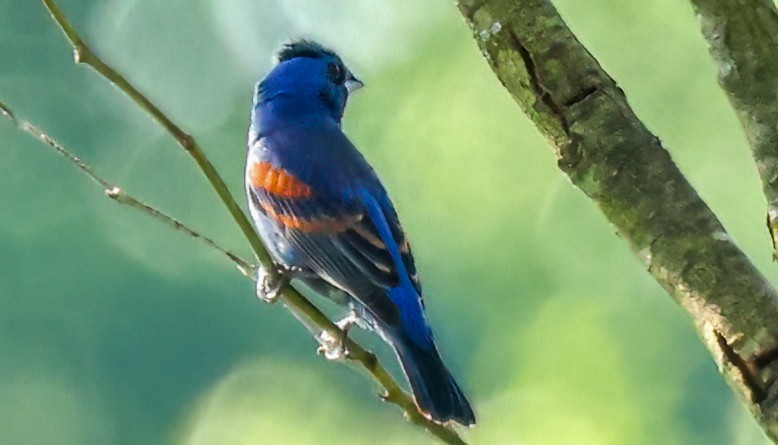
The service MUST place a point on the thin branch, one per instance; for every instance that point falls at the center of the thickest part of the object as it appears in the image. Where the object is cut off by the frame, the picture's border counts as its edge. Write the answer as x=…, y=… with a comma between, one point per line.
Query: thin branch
x=82, y=53
x=610, y=155
x=743, y=39
x=300, y=306
x=119, y=195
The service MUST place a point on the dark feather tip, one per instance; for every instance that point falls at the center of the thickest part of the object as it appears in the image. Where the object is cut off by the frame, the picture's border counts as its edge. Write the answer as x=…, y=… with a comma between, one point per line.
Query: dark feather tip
x=303, y=48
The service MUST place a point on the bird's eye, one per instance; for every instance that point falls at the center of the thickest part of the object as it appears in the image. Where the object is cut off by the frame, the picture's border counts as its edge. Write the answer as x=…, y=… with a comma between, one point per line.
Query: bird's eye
x=336, y=73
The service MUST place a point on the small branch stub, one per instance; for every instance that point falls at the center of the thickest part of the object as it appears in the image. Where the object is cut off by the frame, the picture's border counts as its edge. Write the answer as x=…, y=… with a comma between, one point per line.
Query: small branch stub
x=113, y=192
x=772, y=227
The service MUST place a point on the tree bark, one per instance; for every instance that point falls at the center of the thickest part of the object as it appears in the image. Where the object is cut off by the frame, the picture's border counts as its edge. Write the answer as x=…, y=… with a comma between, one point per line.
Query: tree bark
x=743, y=39
x=610, y=155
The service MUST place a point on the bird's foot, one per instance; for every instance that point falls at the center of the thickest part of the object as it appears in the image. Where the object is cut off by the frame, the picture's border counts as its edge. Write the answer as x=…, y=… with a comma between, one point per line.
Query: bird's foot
x=332, y=346
x=269, y=285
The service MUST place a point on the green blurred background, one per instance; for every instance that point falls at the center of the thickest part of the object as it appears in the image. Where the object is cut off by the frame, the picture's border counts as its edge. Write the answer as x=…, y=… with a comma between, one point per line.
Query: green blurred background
x=117, y=330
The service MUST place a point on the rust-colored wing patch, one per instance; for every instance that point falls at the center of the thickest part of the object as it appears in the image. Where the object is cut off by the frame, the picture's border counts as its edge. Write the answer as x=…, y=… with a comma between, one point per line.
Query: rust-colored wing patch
x=322, y=224
x=277, y=181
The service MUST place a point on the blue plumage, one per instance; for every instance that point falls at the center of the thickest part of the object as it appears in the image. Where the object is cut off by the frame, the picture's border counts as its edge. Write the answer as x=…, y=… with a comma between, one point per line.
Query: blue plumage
x=325, y=216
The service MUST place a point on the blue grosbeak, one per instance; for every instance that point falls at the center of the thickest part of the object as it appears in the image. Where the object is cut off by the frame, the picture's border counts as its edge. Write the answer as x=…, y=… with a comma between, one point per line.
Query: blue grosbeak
x=326, y=219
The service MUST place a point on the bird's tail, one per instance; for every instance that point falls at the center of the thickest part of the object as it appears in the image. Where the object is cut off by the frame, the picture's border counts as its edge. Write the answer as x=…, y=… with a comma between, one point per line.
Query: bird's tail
x=434, y=388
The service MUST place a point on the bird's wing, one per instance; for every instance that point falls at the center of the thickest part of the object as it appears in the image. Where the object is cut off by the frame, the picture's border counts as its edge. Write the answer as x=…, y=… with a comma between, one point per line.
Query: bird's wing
x=337, y=234
x=389, y=213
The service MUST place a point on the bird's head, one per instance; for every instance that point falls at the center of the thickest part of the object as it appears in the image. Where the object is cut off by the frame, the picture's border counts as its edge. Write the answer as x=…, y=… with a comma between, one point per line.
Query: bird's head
x=308, y=71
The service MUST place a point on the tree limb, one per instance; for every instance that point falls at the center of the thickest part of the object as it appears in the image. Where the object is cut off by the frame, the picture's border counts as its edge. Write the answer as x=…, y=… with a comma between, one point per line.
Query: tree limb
x=610, y=155
x=302, y=309
x=743, y=39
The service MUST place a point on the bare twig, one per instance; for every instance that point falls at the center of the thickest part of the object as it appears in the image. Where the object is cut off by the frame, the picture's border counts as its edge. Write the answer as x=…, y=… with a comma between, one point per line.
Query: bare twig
x=612, y=157
x=300, y=306
x=119, y=195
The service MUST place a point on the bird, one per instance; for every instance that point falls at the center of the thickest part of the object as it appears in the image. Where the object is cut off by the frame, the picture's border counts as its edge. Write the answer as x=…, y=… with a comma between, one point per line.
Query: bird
x=328, y=222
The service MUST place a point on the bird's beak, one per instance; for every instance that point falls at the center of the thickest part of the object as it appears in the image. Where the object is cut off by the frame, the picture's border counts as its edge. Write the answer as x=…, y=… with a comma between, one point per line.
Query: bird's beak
x=352, y=84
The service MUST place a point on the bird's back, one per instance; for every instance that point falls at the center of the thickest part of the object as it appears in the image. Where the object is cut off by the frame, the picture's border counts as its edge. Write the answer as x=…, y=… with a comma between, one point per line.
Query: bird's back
x=324, y=215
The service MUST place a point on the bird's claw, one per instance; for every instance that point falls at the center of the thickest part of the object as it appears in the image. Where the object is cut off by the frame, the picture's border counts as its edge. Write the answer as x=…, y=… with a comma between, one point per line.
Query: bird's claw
x=269, y=285
x=332, y=346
